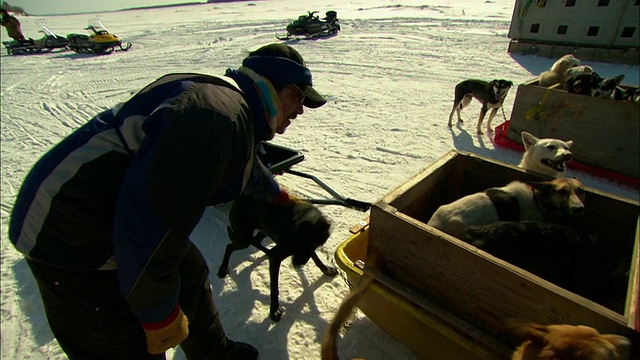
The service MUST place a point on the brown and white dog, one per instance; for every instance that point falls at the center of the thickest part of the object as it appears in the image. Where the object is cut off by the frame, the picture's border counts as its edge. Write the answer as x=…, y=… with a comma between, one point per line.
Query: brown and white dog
x=547, y=156
x=491, y=94
x=517, y=201
x=569, y=342
x=558, y=72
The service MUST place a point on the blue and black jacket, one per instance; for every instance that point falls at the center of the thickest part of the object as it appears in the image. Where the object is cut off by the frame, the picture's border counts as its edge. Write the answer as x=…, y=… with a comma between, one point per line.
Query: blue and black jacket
x=126, y=190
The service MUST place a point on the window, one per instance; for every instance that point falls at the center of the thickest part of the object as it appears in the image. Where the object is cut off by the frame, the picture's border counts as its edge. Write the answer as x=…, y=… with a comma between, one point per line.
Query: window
x=602, y=3
x=628, y=32
x=572, y=3
x=593, y=30
x=535, y=28
x=562, y=29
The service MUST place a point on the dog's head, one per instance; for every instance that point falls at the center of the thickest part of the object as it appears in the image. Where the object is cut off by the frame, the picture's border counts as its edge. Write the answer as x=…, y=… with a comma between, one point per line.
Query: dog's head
x=593, y=84
x=564, y=63
x=573, y=342
x=546, y=153
x=609, y=86
x=312, y=230
x=559, y=197
x=577, y=70
x=500, y=87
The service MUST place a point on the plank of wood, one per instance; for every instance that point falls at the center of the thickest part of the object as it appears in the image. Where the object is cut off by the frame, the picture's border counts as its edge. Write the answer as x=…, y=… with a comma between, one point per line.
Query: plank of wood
x=479, y=288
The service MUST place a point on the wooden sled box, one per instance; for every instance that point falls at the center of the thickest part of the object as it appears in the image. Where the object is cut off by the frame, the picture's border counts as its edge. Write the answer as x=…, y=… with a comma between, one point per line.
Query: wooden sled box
x=605, y=132
x=432, y=284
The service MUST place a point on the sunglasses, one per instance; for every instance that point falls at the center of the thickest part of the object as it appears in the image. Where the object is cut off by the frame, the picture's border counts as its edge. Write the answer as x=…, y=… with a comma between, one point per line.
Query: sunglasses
x=301, y=93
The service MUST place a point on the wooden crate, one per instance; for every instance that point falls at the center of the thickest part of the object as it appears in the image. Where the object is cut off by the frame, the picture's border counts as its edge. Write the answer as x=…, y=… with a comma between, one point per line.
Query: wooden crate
x=605, y=133
x=479, y=289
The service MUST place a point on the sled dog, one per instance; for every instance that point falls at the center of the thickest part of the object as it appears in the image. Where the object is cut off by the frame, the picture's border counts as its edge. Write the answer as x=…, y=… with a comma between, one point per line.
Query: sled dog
x=557, y=73
x=569, y=342
x=547, y=156
x=491, y=94
x=517, y=201
x=297, y=230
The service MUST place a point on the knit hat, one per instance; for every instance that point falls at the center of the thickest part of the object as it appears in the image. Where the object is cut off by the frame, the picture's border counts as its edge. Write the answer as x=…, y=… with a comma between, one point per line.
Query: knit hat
x=282, y=65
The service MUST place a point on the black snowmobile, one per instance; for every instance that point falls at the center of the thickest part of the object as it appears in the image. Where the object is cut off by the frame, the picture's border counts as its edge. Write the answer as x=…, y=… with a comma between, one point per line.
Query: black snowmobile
x=48, y=42
x=311, y=26
x=101, y=41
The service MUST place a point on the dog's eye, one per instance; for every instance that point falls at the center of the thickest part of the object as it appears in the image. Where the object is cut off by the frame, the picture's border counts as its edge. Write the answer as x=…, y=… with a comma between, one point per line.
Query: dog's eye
x=551, y=147
x=563, y=191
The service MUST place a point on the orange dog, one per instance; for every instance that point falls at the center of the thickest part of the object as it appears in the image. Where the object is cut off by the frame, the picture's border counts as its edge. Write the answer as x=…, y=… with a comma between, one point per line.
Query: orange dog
x=559, y=342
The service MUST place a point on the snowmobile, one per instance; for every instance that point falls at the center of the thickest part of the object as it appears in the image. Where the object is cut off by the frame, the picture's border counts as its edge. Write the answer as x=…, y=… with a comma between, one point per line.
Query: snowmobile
x=311, y=26
x=100, y=41
x=48, y=42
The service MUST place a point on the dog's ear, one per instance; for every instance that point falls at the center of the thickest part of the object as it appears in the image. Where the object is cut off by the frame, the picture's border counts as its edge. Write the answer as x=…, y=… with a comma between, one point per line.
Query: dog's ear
x=528, y=140
x=618, y=79
x=569, y=143
x=595, y=78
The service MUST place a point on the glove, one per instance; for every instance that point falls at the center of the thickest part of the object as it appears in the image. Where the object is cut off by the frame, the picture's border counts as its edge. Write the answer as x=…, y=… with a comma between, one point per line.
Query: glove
x=285, y=199
x=168, y=333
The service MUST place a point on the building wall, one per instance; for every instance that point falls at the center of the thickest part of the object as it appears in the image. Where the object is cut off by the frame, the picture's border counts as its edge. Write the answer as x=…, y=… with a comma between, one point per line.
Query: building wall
x=607, y=23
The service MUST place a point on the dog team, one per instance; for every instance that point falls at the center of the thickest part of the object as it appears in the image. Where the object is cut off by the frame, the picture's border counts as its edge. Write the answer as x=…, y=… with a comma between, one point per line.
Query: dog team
x=566, y=73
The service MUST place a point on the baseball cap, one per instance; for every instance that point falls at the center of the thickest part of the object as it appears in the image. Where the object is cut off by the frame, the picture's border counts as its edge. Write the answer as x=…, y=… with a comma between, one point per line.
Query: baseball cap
x=283, y=65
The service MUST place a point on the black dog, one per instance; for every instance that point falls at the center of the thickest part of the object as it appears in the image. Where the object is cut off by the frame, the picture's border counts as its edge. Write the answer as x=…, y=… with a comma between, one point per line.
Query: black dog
x=297, y=230
x=490, y=94
x=574, y=260
x=593, y=85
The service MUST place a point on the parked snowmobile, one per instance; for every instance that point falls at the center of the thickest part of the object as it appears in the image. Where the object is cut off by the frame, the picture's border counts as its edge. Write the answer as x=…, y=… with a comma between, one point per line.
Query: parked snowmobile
x=48, y=42
x=100, y=41
x=311, y=26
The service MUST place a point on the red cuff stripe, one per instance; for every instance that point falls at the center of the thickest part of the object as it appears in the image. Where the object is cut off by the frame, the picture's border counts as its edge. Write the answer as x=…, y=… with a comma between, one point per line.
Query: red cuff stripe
x=281, y=198
x=165, y=322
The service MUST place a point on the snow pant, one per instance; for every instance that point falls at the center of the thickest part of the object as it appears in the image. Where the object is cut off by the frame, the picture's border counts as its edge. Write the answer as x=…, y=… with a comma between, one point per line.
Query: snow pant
x=92, y=321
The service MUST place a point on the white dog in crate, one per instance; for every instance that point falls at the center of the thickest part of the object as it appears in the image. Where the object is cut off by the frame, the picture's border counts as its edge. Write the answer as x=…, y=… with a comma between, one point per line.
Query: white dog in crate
x=547, y=156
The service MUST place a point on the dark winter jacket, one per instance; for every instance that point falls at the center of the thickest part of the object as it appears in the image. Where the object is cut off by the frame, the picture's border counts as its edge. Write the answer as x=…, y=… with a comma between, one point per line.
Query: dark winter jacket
x=126, y=190
x=13, y=27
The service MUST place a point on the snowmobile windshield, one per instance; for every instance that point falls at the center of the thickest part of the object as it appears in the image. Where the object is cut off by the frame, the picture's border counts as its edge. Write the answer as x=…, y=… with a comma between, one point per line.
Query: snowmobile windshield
x=46, y=31
x=97, y=27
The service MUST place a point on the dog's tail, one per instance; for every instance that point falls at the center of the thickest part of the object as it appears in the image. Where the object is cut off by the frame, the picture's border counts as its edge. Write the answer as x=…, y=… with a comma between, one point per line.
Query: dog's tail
x=329, y=347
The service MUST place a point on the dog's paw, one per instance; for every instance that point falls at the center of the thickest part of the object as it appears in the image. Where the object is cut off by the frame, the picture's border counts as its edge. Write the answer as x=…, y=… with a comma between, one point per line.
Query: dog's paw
x=277, y=314
x=330, y=271
x=223, y=271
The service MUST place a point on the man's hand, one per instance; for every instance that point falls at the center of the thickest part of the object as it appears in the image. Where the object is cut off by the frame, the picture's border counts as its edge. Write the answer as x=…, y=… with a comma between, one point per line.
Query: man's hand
x=286, y=199
x=167, y=334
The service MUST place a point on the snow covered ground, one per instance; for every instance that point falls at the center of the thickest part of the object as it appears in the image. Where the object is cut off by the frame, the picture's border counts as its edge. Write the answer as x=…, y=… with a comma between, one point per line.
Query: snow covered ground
x=389, y=77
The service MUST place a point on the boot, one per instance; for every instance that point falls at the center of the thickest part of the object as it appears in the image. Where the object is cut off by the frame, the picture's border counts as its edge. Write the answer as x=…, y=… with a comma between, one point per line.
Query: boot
x=240, y=351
